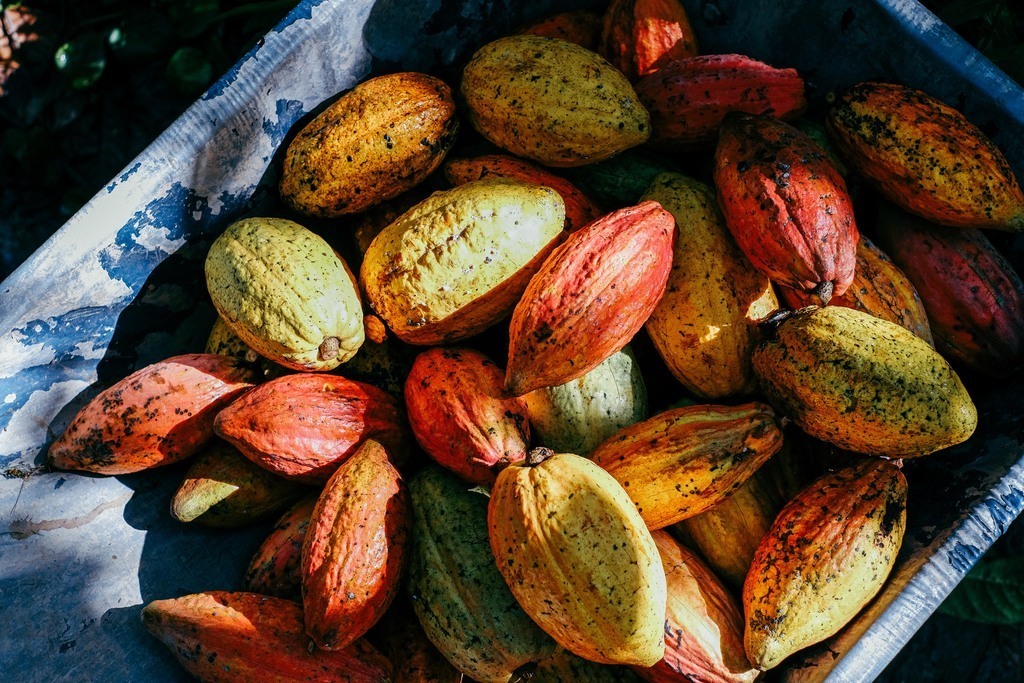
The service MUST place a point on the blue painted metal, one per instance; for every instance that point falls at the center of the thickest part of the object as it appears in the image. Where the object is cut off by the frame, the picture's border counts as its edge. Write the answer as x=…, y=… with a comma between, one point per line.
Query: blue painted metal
x=120, y=286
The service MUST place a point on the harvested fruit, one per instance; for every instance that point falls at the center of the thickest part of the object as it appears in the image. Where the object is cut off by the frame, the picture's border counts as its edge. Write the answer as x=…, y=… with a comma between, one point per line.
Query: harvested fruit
x=578, y=558
x=285, y=293
x=577, y=416
x=864, y=384
x=276, y=568
x=552, y=102
x=225, y=636
x=579, y=210
x=460, y=417
x=304, y=426
x=704, y=624
x=973, y=296
x=926, y=157
x=376, y=141
x=225, y=489
x=565, y=666
x=155, y=416
x=786, y=205
x=355, y=548
x=590, y=297
x=459, y=595
x=684, y=461
x=705, y=326
x=457, y=262
x=689, y=98
x=827, y=554
x=641, y=37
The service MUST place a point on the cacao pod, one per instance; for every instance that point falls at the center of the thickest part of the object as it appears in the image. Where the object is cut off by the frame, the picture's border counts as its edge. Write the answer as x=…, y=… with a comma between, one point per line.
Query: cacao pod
x=826, y=555
x=582, y=26
x=926, y=157
x=590, y=297
x=460, y=417
x=304, y=426
x=551, y=101
x=640, y=37
x=682, y=462
x=785, y=204
x=864, y=384
x=458, y=262
x=578, y=558
x=354, y=550
x=276, y=568
x=705, y=326
x=155, y=416
x=373, y=143
x=243, y=637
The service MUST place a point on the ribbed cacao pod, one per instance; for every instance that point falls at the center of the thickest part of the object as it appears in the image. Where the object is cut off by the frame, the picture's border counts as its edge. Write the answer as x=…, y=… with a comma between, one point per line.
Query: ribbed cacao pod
x=354, y=550
x=565, y=666
x=459, y=595
x=590, y=297
x=373, y=143
x=682, y=462
x=224, y=489
x=582, y=26
x=864, y=384
x=973, y=296
x=705, y=326
x=578, y=558
x=689, y=98
x=155, y=416
x=827, y=554
x=243, y=637
x=551, y=101
x=304, y=426
x=460, y=416
x=276, y=568
x=785, y=204
x=577, y=416
x=704, y=624
x=926, y=157
x=457, y=262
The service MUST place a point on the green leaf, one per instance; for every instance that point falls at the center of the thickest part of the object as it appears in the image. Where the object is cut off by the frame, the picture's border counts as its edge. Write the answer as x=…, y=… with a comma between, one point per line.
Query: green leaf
x=189, y=70
x=82, y=60
x=992, y=593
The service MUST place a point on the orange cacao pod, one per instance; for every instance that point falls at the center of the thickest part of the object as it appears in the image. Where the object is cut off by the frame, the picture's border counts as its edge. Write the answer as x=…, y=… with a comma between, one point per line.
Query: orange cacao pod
x=579, y=209
x=590, y=297
x=582, y=26
x=879, y=288
x=704, y=624
x=926, y=157
x=156, y=416
x=460, y=417
x=303, y=426
x=223, y=636
x=688, y=98
x=276, y=568
x=973, y=296
x=353, y=552
x=682, y=462
x=641, y=36
x=826, y=555
x=785, y=204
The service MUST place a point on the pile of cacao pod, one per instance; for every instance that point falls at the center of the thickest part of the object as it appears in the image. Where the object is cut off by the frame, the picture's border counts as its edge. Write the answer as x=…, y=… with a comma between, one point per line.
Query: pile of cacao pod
x=697, y=506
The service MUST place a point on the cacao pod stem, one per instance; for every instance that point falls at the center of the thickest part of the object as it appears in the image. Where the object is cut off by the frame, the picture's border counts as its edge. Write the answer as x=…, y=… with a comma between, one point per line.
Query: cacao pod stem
x=824, y=292
x=329, y=348
x=538, y=455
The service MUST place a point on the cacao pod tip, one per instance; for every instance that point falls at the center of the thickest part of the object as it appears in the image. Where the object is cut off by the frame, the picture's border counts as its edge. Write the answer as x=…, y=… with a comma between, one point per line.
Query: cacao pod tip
x=823, y=292
x=771, y=322
x=329, y=348
x=374, y=329
x=538, y=455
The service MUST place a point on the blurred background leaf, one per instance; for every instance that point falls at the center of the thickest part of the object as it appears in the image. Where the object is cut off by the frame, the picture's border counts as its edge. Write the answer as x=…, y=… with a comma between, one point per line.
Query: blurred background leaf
x=992, y=593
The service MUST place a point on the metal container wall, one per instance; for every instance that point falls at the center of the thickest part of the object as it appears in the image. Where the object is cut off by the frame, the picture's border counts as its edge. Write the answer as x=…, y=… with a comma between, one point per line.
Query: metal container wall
x=120, y=286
